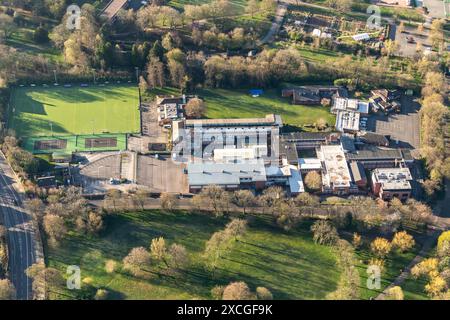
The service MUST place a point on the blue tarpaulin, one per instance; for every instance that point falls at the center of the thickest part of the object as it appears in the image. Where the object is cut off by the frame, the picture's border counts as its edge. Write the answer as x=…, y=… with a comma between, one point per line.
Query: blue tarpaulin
x=256, y=92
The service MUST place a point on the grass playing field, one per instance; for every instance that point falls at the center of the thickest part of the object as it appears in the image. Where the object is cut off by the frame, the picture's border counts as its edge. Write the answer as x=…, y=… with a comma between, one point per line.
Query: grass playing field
x=290, y=264
x=61, y=111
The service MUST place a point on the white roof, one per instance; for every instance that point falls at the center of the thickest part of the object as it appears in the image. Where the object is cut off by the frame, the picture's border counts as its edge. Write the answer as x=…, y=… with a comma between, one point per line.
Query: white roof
x=296, y=184
x=347, y=120
x=337, y=173
x=309, y=164
x=354, y=105
x=393, y=178
x=361, y=37
x=277, y=171
x=202, y=174
x=233, y=154
x=316, y=32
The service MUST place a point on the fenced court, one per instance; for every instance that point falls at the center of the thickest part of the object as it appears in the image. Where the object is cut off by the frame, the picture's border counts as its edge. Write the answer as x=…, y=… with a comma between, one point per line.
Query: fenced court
x=75, y=118
x=76, y=143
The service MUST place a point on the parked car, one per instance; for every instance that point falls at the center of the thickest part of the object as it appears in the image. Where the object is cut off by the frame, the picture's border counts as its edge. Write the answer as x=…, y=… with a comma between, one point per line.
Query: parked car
x=114, y=182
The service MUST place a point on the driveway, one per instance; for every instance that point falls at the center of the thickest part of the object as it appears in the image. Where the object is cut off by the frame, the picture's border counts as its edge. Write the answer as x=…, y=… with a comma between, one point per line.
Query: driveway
x=403, y=128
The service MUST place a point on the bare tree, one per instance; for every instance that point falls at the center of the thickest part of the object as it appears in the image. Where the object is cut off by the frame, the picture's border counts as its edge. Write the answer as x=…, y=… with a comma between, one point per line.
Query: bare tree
x=137, y=260
x=55, y=228
x=45, y=280
x=237, y=291
x=7, y=290
x=217, y=197
x=179, y=257
x=324, y=233
x=313, y=181
x=139, y=198
x=263, y=293
x=195, y=108
x=236, y=228
x=113, y=196
x=243, y=199
x=168, y=201
x=155, y=73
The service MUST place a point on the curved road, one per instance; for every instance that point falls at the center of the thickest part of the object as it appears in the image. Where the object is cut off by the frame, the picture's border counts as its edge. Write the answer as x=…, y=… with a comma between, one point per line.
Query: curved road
x=21, y=236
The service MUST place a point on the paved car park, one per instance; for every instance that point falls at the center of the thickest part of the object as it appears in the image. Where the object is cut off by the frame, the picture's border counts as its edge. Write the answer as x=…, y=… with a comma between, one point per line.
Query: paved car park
x=408, y=40
x=162, y=174
x=403, y=128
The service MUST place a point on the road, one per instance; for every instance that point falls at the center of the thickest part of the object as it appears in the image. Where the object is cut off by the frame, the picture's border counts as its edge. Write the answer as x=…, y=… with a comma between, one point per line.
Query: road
x=20, y=235
x=276, y=25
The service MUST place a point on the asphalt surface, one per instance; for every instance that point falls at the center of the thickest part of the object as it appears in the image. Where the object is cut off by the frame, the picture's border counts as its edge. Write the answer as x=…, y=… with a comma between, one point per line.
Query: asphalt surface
x=403, y=128
x=20, y=235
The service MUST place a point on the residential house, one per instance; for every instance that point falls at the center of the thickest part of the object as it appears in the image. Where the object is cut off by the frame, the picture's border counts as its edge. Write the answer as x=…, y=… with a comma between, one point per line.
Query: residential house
x=313, y=95
x=386, y=100
x=171, y=108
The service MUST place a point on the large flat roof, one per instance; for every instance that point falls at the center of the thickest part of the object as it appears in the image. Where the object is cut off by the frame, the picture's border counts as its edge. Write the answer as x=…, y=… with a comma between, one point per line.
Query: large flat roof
x=393, y=178
x=380, y=154
x=347, y=120
x=337, y=173
x=201, y=174
x=269, y=120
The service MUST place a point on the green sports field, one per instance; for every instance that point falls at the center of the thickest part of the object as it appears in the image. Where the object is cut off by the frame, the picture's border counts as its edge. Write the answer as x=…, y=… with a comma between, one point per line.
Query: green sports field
x=57, y=113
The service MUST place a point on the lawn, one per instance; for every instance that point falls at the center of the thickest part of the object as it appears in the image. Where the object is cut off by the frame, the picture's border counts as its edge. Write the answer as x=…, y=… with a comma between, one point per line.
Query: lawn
x=394, y=263
x=75, y=110
x=289, y=264
x=240, y=104
x=233, y=103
